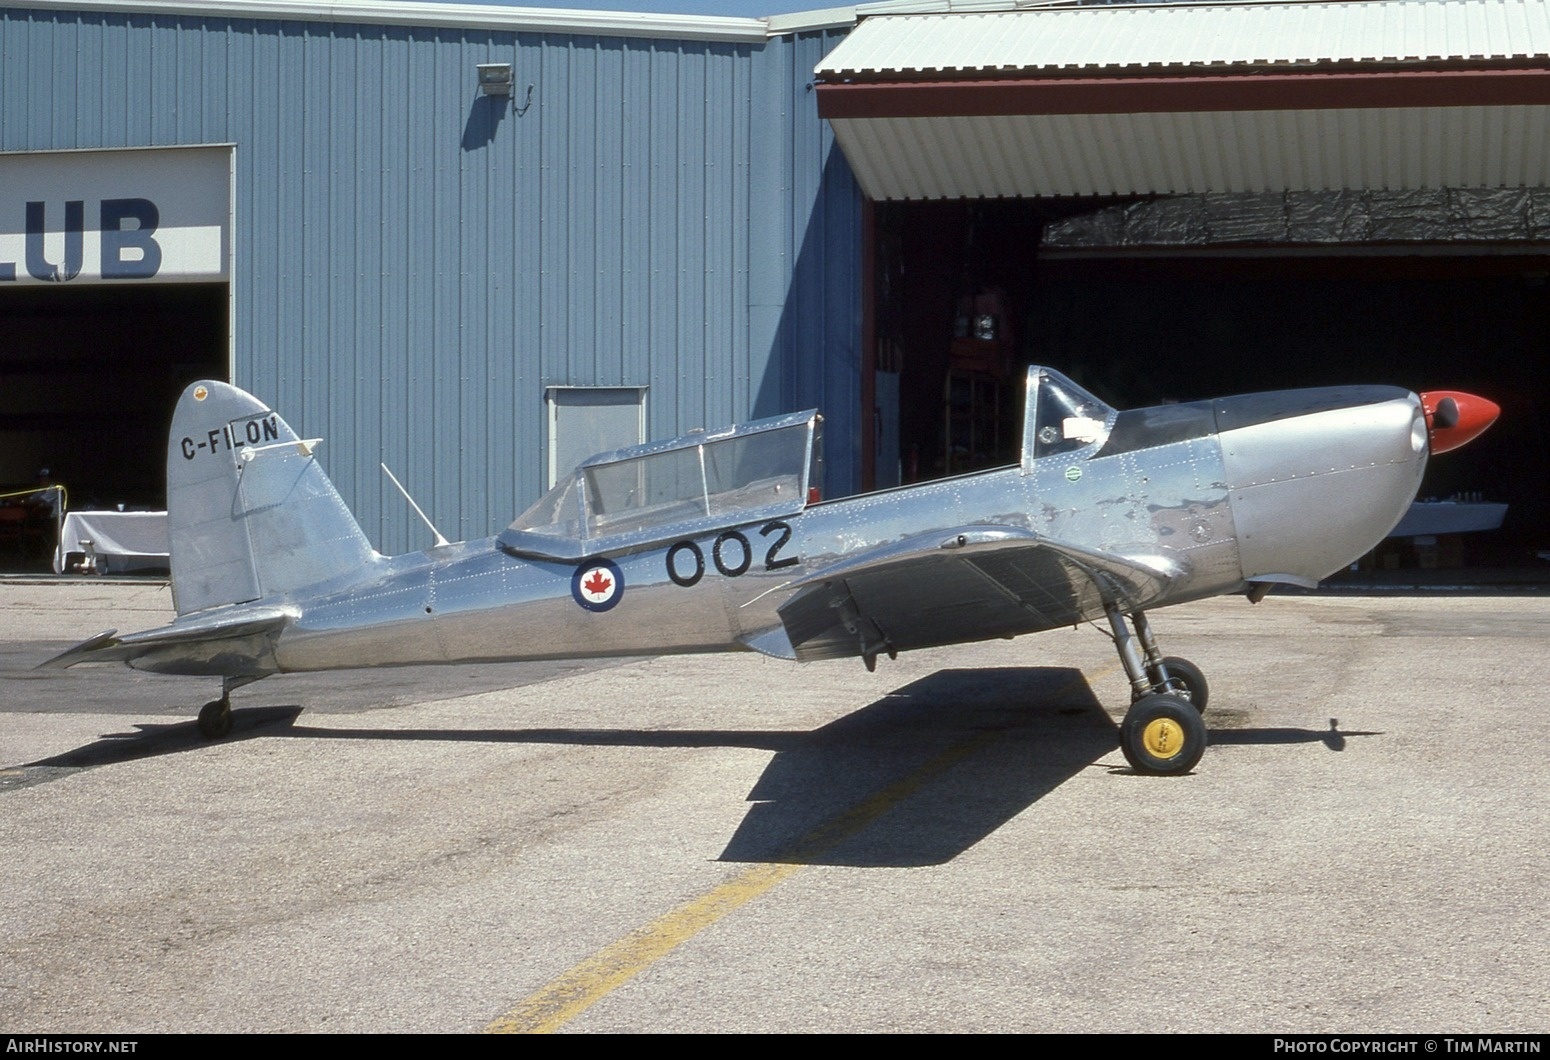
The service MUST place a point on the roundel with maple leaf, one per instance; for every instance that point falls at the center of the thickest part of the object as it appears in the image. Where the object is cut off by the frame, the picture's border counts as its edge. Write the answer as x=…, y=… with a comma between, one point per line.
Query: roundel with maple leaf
x=597, y=585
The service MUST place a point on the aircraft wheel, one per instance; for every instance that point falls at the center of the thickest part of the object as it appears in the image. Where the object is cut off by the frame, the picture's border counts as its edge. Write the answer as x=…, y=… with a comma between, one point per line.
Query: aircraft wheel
x=1186, y=682
x=1163, y=735
x=215, y=719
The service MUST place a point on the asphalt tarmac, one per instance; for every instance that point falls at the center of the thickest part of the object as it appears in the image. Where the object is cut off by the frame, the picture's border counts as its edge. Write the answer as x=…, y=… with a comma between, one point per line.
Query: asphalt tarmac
x=731, y=843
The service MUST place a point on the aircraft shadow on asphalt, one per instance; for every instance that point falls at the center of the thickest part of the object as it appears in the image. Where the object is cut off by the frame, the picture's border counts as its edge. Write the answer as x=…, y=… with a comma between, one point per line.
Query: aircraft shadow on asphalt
x=1333, y=737
x=162, y=738
x=914, y=778
x=927, y=771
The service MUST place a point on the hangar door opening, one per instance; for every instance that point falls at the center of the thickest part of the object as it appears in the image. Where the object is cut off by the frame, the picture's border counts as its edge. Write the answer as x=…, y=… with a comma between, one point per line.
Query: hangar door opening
x=968, y=293
x=114, y=295
x=1296, y=194
x=88, y=379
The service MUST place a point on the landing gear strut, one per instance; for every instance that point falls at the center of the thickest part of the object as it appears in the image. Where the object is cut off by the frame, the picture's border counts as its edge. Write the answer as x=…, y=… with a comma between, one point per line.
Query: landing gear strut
x=1183, y=680
x=215, y=716
x=1162, y=732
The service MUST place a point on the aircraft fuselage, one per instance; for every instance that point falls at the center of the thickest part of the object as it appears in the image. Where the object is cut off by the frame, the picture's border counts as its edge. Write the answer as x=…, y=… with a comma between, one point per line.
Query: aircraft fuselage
x=1287, y=487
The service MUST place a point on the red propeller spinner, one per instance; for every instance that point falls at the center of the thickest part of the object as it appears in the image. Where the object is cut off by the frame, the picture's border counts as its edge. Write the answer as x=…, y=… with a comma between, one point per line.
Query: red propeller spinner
x=1454, y=418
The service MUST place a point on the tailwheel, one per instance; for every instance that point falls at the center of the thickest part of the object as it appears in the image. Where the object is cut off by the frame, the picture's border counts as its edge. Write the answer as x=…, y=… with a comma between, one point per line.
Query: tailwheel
x=1163, y=735
x=215, y=718
x=1185, y=681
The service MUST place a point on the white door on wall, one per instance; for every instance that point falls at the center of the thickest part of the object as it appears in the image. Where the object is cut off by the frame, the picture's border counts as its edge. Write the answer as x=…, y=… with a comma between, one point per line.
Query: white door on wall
x=587, y=420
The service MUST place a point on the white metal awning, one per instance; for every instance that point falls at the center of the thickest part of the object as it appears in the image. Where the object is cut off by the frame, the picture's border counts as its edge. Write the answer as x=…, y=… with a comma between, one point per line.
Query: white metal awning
x=1398, y=94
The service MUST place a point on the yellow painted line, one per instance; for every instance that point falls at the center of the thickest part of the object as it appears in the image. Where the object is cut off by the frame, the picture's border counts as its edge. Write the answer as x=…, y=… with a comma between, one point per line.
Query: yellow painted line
x=599, y=975
x=595, y=978
x=610, y=968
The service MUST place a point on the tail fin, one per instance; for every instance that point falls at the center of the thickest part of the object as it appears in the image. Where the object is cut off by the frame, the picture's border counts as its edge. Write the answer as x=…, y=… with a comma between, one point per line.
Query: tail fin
x=250, y=513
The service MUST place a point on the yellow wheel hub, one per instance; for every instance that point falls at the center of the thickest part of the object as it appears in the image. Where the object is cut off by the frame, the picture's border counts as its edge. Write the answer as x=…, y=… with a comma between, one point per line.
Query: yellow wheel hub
x=1163, y=738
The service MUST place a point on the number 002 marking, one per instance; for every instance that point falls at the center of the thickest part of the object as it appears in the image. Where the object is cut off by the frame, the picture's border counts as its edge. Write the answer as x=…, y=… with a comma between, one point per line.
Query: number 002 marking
x=770, y=562
x=732, y=563
x=685, y=580
x=746, y=554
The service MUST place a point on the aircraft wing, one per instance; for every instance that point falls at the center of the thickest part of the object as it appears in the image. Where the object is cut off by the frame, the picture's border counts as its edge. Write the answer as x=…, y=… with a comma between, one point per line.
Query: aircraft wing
x=218, y=644
x=968, y=583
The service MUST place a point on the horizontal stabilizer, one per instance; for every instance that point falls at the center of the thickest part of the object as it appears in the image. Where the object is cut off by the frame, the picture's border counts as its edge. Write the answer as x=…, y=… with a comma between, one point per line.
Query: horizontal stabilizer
x=970, y=583
x=82, y=652
x=205, y=641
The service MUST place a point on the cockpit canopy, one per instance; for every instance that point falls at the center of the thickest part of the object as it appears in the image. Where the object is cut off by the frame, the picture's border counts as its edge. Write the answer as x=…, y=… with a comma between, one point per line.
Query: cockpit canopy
x=652, y=493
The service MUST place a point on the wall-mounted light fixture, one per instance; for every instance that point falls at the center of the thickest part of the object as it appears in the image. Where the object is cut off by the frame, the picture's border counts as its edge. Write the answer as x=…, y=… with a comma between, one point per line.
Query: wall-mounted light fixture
x=495, y=79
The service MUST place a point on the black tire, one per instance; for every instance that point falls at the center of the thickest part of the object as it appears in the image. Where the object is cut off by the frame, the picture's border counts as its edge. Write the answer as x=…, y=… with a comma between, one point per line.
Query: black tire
x=1186, y=682
x=215, y=719
x=1162, y=735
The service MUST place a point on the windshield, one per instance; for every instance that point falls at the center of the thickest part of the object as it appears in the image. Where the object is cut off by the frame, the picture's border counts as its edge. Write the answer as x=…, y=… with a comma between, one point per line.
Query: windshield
x=1061, y=416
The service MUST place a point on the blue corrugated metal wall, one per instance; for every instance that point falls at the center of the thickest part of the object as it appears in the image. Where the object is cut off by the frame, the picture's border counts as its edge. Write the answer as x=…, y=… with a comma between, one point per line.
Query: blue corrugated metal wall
x=414, y=264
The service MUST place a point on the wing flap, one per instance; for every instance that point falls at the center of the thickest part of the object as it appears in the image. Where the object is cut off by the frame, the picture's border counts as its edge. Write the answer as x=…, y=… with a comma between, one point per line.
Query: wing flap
x=772, y=642
x=971, y=583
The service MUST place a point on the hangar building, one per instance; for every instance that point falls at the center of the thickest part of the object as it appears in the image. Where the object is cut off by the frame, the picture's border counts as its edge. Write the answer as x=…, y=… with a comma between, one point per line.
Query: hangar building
x=478, y=242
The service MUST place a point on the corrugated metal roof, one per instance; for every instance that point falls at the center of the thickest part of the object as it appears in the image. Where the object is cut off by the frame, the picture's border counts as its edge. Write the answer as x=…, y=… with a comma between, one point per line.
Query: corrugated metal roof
x=1171, y=36
x=1259, y=151
x=1169, y=99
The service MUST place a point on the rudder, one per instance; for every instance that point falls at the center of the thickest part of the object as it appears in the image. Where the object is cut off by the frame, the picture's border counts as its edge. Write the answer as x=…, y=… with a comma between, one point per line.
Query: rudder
x=250, y=513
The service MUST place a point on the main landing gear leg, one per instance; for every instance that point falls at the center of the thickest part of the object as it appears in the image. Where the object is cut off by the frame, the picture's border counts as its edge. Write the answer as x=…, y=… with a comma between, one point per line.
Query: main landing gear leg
x=1129, y=656
x=1170, y=675
x=215, y=716
x=1162, y=732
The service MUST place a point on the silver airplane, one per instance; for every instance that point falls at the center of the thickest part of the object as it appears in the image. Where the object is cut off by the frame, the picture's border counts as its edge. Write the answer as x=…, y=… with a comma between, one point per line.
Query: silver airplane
x=717, y=541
